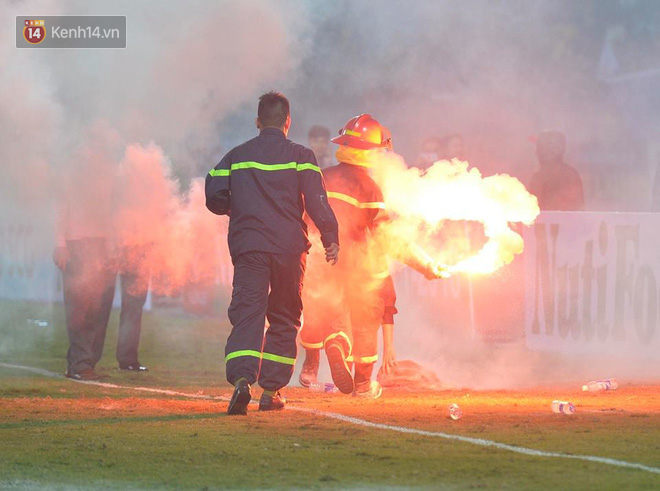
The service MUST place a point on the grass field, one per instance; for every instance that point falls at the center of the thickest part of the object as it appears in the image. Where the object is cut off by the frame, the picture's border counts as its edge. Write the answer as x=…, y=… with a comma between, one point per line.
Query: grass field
x=59, y=434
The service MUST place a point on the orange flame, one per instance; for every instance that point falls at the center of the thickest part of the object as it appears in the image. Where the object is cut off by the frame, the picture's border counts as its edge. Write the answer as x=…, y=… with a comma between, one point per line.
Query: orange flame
x=450, y=190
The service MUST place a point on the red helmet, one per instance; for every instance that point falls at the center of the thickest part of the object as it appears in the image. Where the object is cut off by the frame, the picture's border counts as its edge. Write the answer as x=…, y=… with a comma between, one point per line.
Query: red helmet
x=363, y=132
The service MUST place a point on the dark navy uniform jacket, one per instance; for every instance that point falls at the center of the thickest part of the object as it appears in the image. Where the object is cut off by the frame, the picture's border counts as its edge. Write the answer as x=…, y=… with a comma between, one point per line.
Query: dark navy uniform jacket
x=265, y=185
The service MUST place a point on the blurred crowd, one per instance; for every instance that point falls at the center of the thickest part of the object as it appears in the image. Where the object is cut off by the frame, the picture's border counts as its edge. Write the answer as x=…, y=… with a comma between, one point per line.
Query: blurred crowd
x=557, y=185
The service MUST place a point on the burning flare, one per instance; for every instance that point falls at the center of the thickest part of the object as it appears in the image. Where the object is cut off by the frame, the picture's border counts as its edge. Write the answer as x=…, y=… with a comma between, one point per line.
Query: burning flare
x=450, y=190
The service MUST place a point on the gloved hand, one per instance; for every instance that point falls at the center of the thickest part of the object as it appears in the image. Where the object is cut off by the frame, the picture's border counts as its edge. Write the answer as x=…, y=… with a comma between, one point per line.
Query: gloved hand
x=332, y=253
x=437, y=270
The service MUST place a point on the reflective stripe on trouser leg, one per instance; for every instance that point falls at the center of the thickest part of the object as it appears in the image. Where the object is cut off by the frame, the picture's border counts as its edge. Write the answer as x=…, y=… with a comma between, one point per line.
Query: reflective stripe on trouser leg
x=283, y=313
x=247, y=314
x=363, y=359
x=341, y=338
x=311, y=345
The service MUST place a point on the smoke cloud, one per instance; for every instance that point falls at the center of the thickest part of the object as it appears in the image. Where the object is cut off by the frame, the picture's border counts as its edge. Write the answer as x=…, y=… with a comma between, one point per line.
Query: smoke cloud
x=104, y=136
x=120, y=138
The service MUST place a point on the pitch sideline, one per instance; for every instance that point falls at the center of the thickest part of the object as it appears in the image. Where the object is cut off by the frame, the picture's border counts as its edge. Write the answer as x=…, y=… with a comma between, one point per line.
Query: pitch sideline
x=369, y=424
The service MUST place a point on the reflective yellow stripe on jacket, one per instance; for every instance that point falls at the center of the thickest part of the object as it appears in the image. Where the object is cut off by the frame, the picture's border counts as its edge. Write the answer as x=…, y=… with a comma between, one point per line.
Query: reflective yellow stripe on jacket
x=378, y=205
x=266, y=167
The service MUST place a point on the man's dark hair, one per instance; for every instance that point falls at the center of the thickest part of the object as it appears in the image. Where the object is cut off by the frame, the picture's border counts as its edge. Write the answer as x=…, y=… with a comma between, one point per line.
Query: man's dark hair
x=317, y=131
x=273, y=109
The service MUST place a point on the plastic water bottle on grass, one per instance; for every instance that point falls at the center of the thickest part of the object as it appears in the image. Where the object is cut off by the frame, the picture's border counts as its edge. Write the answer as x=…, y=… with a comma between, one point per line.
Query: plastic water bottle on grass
x=455, y=412
x=563, y=407
x=38, y=322
x=598, y=385
x=327, y=387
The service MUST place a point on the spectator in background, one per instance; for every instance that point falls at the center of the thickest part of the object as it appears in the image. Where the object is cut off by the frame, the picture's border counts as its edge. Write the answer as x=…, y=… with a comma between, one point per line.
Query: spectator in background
x=84, y=248
x=431, y=152
x=134, y=277
x=452, y=147
x=318, y=139
x=557, y=185
x=107, y=217
x=145, y=191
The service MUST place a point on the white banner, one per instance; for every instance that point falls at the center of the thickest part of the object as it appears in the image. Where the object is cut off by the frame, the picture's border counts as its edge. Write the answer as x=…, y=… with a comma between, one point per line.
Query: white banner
x=592, y=284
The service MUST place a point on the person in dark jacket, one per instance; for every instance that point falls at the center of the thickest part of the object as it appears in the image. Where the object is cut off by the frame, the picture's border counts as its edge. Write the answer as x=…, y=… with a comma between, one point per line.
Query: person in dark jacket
x=557, y=185
x=318, y=139
x=265, y=185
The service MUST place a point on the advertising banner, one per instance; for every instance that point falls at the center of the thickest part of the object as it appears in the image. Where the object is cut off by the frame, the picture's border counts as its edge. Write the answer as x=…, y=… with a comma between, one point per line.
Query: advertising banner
x=591, y=284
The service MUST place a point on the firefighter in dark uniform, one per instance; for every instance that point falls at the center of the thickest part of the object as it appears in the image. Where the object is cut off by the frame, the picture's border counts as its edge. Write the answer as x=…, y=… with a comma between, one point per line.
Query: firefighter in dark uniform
x=265, y=185
x=346, y=324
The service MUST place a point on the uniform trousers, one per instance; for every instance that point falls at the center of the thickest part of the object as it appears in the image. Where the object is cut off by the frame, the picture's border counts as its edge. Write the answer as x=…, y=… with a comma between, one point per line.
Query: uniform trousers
x=265, y=286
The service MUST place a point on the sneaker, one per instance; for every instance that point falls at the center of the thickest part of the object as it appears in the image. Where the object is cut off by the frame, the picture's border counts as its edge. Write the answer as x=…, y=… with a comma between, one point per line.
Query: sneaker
x=271, y=403
x=86, y=374
x=240, y=399
x=310, y=368
x=372, y=390
x=339, y=369
x=134, y=367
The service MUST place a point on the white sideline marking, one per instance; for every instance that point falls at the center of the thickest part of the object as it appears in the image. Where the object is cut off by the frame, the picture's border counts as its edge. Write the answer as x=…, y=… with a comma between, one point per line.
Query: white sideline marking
x=48, y=373
x=369, y=424
x=478, y=441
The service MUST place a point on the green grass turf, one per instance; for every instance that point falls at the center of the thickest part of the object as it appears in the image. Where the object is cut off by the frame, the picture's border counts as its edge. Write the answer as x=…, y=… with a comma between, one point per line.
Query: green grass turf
x=58, y=434
x=172, y=343
x=275, y=450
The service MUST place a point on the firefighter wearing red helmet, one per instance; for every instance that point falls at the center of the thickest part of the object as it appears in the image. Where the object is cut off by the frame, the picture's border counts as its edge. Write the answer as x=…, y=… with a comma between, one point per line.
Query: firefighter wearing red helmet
x=363, y=132
x=344, y=307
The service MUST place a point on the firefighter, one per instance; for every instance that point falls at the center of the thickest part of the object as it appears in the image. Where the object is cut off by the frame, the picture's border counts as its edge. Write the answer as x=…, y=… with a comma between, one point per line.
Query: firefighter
x=265, y=185
x=346, y=324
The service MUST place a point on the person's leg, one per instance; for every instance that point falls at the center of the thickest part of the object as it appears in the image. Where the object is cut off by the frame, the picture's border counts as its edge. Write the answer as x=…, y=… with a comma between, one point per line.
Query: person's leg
x=133, y=296
x=337, y=341
x=284, y=310
x=366, y=315
x=105, y=294
x=247, y=314
x=76, y=305
x=318, y=297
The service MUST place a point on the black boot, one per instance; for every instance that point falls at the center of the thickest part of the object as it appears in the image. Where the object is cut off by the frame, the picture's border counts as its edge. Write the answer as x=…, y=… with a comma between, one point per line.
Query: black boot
x=273, y=402
x=240, y=398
